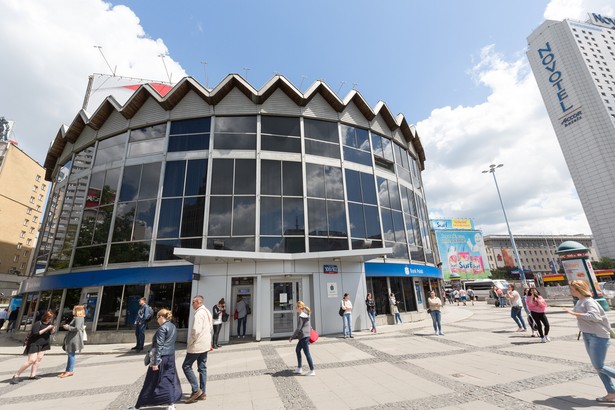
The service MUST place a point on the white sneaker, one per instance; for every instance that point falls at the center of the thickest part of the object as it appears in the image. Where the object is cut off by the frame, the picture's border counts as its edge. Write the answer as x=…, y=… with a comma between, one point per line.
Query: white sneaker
x=171, y=407
x=437, y=333
x=298, y=370
x=441, y=334
x=311, y=373
x=548, y=339
x=543, y=340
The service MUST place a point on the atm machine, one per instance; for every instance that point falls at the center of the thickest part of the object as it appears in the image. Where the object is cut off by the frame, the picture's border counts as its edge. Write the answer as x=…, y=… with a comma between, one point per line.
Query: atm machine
x=243, y=287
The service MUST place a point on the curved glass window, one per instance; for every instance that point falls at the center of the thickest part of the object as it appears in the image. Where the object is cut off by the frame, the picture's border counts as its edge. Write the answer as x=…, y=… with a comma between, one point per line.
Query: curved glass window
x=321, y=138
x=235, y=133
x=356, y=145
x=111, y=149
x=280, y=134
x=362, y=214
x=146, y=141
x=189, y=135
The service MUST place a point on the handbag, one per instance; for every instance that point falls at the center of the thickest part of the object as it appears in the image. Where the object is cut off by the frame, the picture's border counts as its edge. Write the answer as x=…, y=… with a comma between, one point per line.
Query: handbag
x=147, y=360
x=429, y=311
x=236, y=315
x=225, y=316
x=249, y=310
x=341, y=312
x=313, y=336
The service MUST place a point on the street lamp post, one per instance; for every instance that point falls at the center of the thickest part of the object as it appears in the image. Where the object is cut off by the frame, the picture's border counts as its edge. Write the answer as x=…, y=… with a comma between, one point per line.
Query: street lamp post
x=491, y=170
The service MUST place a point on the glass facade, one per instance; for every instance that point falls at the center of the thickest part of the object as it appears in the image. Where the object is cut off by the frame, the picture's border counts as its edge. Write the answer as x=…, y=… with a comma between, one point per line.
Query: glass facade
x=247, y=183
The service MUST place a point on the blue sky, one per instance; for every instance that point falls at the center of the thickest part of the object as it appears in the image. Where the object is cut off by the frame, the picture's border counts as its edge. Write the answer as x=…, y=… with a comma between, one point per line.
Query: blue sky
x=457, y=70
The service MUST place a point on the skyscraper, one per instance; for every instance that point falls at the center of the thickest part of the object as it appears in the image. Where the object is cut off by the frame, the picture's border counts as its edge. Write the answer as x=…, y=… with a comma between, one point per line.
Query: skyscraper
x=574, y=65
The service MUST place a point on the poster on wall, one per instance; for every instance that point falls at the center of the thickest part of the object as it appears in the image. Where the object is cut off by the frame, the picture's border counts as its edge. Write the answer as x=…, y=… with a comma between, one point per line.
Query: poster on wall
x=463, y=254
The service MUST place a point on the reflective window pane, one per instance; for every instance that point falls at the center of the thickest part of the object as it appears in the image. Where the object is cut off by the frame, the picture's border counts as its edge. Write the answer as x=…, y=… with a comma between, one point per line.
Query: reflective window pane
x=196, y=142
x=192, y=126
x=372, y=222
x=280, y=125
x=280, y=144
x=170, y=213
x=292, y=179
x=150, y=179
x=357, y=223
x=322, y=149
x=130, y=183
x=164, y=250
x=360, y=157
x=337, y=218
x=245, y=176
x=244, y=214
x=124, y=220
x=271, y=216
x=129, y=252
x=315, y=179
x=293, y=216
x=173, y=184
x=196, y=178
x=235, y=141
x=317, y=217
x=321, y=130
x=353, y=186
x=220, y=212
x=222, y=177
x=270, y=177
x=110, y=306
x=144, y=221
x=383, y=193
x=334, y=185
x=368, y=189
x=193, y=216
x=235, y=124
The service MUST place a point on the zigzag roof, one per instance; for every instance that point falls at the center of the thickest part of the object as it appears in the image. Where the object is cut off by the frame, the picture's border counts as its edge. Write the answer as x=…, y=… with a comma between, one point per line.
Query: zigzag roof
x=96, y=120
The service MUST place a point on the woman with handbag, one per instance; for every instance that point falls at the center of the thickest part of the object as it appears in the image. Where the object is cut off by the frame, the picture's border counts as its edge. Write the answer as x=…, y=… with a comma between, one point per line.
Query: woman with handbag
x=161, y=386
x=394, y=308
x=302, y=333
x=538, y=306
x=218, y=313
x=73, y=341
x=596, y=329
x=435, y=305
x=38, y=344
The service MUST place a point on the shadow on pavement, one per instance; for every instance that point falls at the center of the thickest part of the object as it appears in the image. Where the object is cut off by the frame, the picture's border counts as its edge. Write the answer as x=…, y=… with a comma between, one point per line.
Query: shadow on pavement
x=569, y=403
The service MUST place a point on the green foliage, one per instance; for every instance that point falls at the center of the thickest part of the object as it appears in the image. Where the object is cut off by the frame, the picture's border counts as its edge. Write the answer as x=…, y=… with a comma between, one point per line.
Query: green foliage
x=604, y=263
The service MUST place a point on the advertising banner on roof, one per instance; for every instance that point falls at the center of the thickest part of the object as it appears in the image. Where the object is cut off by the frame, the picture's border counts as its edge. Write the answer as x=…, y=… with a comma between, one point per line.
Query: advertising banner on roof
x=102, y=86
x=463, y=254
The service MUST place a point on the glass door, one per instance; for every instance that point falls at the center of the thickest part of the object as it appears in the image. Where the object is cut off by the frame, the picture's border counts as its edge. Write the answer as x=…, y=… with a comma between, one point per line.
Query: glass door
x=285, y=295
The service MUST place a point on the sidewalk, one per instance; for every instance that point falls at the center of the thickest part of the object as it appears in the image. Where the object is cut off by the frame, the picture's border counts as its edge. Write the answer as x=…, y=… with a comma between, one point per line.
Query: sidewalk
x=480, y=363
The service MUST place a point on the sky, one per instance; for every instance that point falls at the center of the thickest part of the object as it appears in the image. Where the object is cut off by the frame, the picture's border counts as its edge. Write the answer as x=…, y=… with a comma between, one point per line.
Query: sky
x=457, y=70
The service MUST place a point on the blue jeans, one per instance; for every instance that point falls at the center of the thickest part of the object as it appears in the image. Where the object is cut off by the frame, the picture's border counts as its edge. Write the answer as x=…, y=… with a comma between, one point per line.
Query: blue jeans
x=398, y=317
x=372, y=317
x=70, y=364
x=516, y=314
x=304, y=344
x=502, y=301
x=347, y=318
x=201, y=364
x=596, y=349
x=241, y=326
x=436, y=318
x=140, y=333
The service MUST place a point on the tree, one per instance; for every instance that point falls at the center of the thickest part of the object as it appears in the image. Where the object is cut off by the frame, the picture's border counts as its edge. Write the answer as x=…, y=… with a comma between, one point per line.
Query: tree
x=604, y=263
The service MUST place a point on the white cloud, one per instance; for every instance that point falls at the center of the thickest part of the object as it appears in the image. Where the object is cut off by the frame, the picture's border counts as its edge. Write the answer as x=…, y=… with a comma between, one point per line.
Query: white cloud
x=577, y=9
x=511, y=127
x=50, y=54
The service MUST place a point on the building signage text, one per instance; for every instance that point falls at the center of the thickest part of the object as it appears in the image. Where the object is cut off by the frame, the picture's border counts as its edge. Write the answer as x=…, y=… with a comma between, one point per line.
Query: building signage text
x=603, y=21
x=549, y=63
x=329, y=269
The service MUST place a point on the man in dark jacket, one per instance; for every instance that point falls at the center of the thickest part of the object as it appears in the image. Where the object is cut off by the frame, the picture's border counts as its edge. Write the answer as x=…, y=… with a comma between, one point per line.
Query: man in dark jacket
x=12, y=319
x=143, y=316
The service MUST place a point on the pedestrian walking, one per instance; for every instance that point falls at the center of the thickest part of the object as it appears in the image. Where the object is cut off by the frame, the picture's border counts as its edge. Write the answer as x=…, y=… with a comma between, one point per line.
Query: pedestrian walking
x=38, y=343
x=449, y=295
x=471, y=296
x=434, y=304
x=371, y=311
x=538, y=306
x=199, y=343
x=346, y=306
x=73, y=341
x=4, y=314
x=456, y=296
x=144, y=315
x=462, y=296
x=302, y=334
x=12, y=320
x=218, y=312
x=394, y=309
x=162, y=386
x=596, y=329
x=242, y=309
x=516, y=308
x=443, y=296
x=501, y=296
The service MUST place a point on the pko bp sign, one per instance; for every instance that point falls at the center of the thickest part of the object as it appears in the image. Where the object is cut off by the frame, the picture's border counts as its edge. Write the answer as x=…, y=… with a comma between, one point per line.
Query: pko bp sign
x=330, y=269
x=599, y=20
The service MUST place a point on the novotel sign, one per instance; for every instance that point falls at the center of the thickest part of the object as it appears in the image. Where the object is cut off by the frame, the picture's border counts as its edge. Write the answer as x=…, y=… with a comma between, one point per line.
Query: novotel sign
x=599, y=20
x=549, y=63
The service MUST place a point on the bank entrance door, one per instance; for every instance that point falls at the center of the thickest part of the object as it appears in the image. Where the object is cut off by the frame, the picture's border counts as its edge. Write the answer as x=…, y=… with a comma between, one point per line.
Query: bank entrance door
x=285, y=295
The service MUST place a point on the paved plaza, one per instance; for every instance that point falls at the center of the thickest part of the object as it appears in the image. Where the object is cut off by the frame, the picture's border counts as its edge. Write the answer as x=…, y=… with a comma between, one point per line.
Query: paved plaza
x=480, y=363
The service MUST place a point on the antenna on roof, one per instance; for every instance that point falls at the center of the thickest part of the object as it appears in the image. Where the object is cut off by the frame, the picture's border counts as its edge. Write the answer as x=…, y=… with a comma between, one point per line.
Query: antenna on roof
x=246, y=69
x=104, y=58
x=302, y=78
x=354, y=86
x=162, y=56
x=205, y=71
x=341, y=85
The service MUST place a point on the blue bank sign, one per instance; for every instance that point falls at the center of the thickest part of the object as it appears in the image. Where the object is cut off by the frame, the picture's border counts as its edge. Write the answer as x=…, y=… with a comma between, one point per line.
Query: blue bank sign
x=399, y=269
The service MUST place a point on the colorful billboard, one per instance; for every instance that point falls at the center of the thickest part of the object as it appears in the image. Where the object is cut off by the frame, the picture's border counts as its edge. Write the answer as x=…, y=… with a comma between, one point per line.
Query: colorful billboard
x=462, y=254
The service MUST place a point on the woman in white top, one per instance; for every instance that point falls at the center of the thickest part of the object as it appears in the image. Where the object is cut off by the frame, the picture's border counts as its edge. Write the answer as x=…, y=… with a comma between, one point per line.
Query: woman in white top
x=347, y=317
x=594, y=324
x=435, y=304
x=516, y=308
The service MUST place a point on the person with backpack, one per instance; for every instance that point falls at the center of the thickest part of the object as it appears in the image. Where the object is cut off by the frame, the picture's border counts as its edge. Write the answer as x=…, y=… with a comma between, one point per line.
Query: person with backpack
x=144, y=315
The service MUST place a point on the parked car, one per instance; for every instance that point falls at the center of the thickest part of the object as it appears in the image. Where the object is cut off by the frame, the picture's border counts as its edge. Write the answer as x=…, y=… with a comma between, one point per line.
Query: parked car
x=608, y=289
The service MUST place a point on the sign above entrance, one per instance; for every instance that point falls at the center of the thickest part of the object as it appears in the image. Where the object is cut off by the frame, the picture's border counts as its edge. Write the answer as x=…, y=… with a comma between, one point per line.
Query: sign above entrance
x=330, y=269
